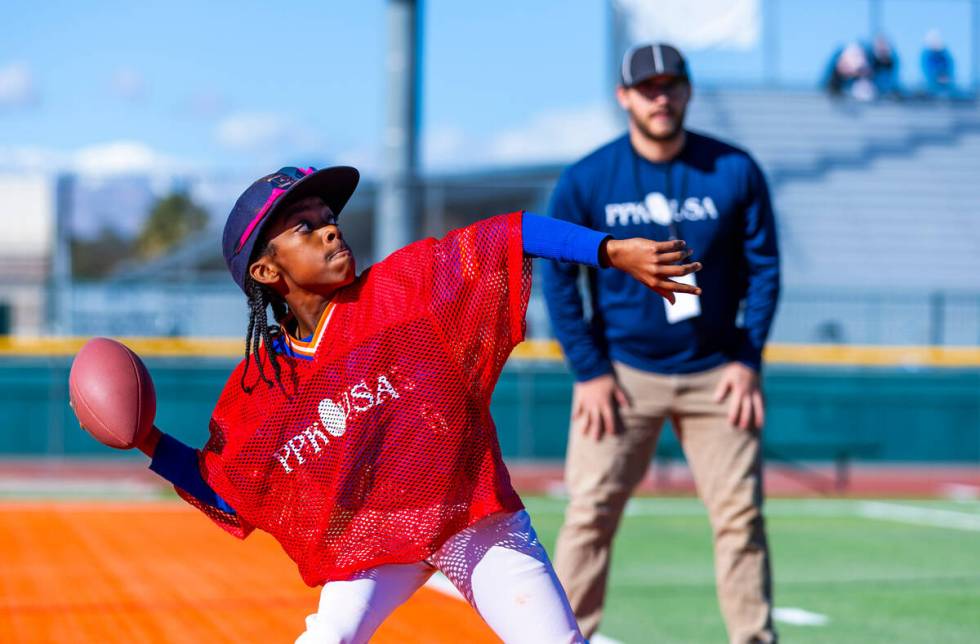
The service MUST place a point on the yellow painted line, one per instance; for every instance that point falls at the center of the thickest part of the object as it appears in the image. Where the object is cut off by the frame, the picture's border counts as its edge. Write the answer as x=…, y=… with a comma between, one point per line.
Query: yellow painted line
x=818, y=354
x=539, y=350
x=144, y=346
x=546, y=350
x=873, y=355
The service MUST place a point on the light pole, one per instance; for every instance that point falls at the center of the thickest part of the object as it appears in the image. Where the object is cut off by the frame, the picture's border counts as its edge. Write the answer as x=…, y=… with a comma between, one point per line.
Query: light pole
x=396, y=216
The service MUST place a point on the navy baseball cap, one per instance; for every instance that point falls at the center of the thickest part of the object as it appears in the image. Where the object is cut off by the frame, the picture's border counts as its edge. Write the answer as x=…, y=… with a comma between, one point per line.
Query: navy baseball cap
x=264, y=198
x=646, y=61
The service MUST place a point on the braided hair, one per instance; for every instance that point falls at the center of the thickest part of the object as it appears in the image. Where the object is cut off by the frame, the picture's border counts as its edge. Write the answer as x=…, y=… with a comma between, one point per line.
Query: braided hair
x=260, y=298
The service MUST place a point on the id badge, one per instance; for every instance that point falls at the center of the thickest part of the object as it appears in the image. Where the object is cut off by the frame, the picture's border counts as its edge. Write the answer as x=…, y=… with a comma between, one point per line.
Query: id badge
x=686, y=306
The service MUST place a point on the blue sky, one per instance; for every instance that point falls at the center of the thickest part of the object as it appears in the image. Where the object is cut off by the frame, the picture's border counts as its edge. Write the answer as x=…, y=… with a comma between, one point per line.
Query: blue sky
x=240, y=87
x=237, y=85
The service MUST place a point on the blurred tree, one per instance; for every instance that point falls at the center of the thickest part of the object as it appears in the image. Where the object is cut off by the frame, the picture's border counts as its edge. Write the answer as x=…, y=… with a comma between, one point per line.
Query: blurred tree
x=97, y=257
x=172, y=219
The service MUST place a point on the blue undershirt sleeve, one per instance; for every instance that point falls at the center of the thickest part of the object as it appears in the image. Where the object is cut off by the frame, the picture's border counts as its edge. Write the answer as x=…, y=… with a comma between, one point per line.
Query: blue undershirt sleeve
x=178, y=463
x=560, y=240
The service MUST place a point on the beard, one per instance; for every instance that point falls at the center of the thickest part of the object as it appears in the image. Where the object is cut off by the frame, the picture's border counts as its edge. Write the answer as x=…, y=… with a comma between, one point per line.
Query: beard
x=663, y=136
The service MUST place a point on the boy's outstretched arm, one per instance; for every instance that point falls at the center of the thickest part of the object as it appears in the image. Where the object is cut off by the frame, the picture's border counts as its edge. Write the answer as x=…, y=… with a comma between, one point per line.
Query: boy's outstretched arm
x=649, y=262
x=178, y=463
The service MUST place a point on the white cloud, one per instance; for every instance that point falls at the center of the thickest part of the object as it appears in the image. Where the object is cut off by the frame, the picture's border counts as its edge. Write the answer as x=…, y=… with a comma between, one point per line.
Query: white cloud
x=365, y=158
x=30, y=158
x=549, y=137
x=128, y=83
x=723, y=24
x=441, y=147
x=445, y=144
x=560, y=135
x=256, y=131
x=17, y=86
x=250, y=131
x=100, y=160
x=122, y=157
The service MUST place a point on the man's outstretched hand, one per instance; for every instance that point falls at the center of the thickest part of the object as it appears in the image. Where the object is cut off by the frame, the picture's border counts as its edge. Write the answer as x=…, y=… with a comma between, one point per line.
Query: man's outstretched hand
x=653, y=263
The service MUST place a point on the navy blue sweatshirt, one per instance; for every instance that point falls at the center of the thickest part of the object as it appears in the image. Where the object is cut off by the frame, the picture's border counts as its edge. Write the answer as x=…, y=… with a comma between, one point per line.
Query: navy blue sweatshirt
x=713, y=196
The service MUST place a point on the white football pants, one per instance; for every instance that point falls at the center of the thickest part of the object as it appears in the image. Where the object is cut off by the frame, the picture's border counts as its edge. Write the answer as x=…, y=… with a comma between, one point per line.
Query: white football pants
x=497, y=564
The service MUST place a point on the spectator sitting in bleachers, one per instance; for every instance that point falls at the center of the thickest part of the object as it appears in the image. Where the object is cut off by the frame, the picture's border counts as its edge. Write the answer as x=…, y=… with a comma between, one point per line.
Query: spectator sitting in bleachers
x=850, y=73
x=884, y=67
x=937, y=65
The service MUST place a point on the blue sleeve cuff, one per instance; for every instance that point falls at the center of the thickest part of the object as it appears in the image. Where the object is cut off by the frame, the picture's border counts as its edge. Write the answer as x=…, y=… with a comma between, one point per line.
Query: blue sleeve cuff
x=747, y=353
x=178, y=463
x=753, y=361
x=560, y=240
x=600, y=368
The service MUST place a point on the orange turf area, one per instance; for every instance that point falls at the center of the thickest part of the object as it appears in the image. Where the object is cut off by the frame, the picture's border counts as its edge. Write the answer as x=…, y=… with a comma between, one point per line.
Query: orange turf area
x=161, y=572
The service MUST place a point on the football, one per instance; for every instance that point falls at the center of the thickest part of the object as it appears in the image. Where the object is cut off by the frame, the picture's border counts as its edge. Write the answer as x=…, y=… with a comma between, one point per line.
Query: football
x=111, y=393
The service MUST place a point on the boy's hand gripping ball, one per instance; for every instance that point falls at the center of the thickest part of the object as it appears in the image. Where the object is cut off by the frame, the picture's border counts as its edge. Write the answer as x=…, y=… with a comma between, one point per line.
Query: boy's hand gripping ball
x=112, y=394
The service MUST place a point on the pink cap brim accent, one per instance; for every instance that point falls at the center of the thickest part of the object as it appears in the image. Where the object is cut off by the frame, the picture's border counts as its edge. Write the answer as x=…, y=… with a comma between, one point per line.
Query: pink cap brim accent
x=276, y=193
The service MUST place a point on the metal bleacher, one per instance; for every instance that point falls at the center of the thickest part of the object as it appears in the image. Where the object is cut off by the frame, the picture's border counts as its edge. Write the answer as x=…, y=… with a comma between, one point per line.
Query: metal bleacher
x=879, y=211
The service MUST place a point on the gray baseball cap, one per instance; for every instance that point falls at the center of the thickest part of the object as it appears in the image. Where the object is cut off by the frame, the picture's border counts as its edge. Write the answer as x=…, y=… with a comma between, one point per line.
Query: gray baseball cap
x=648, y=60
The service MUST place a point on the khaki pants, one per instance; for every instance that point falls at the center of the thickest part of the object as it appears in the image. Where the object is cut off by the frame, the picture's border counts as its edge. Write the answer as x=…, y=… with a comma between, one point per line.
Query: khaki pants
x=726, y=464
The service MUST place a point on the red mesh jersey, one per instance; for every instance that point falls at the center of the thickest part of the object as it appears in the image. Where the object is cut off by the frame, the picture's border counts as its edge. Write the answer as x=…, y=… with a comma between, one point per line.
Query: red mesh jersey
x=382, y=445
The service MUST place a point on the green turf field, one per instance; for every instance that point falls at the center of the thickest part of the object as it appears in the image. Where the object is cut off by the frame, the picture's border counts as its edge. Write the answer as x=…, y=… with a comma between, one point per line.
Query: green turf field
x=879, y=571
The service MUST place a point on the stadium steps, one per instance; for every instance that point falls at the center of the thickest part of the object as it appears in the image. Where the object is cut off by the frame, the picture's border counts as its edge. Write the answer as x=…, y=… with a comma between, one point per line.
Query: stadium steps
x=878, y=207
x=909, y=222
x=801, y=135
x=874, y=192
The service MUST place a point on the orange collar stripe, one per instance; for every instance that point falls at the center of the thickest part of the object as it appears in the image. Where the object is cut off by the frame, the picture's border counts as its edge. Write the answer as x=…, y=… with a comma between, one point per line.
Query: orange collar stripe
x=309, y=348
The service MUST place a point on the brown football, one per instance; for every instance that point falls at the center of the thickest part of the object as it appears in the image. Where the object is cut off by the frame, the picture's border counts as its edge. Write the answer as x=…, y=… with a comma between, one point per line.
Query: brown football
x=111, y=393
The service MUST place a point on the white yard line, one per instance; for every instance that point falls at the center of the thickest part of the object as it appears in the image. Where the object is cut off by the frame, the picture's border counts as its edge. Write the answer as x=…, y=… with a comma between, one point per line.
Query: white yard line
x=688, y=507
x=803, y=508
x=599, y=638
x=799, y=617
x=32, y=487
x=776, y=508
x=919, y=516
x=961, y=492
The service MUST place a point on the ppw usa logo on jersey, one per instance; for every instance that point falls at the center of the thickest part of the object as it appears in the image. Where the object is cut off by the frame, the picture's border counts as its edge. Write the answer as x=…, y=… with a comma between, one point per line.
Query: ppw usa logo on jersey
x=333, y=419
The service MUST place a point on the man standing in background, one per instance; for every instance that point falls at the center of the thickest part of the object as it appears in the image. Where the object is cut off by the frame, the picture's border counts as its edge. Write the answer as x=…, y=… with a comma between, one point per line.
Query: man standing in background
x=638, y=361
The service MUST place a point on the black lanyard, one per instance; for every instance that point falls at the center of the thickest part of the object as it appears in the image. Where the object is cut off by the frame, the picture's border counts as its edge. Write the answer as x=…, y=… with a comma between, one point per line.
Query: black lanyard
x=672, y=226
